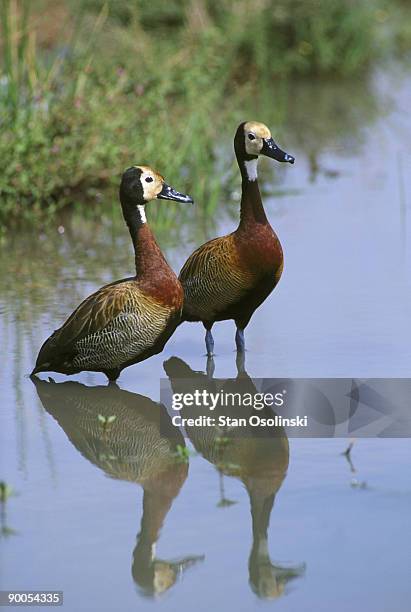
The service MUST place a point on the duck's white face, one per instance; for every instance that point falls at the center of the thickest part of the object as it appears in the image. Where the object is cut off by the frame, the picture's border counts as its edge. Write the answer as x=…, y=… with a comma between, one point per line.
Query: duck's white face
x=164, y=576
x=141, y=184
x=151, y=182
x=254, y=135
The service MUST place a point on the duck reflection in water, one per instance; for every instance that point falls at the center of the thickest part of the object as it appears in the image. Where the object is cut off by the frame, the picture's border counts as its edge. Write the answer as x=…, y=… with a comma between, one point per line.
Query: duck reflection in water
x=258, y=457
x=129, y=447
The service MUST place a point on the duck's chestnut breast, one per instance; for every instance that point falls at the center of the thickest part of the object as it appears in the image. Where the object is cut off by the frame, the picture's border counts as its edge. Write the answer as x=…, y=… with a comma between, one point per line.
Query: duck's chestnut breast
x=259, y=250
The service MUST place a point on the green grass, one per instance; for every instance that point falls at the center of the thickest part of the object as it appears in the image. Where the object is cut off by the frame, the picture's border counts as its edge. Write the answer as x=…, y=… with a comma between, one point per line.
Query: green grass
x=163, y=83
x=6, y=491
x=69, y=131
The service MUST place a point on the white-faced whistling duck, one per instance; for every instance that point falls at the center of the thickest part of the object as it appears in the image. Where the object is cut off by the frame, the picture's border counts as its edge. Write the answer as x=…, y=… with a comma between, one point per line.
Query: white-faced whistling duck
x=143, y=443
x=128, y=320
x=258, y=456
x=229, y=277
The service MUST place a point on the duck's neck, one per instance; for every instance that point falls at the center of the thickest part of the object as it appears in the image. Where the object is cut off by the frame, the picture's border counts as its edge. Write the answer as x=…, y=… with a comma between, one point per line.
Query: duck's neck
x=155, y=508
x=252, y=209
x=148, y=256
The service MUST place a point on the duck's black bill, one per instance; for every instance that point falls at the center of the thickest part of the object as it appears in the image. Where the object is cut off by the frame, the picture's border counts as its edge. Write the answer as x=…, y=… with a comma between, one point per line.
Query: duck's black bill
x=168, y=193
x=270, y=149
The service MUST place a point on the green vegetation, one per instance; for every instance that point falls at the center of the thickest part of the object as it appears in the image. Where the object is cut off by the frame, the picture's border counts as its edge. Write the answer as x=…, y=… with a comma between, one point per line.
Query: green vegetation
x=105, y=421
x=183, y=454
x=6, y=491
x=158, y=82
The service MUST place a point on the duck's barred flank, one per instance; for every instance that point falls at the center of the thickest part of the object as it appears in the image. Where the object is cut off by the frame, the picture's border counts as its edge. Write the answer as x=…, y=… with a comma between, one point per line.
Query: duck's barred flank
x=121, y=341
x=213, y=280
x=134, y=330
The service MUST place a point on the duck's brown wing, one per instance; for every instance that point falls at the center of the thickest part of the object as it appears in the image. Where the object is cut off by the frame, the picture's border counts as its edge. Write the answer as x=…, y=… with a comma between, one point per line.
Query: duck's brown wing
x=213, y=279
x=91, y=316
x=96, y=311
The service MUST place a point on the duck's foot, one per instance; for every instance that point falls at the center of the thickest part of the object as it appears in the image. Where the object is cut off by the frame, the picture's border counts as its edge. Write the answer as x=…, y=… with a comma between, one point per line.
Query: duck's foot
x=239, y=340
x=209, y=340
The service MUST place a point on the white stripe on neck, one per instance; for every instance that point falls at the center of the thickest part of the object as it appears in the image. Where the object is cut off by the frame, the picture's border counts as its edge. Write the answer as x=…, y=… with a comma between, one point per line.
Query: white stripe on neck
x=142, y=212
x=251, y=169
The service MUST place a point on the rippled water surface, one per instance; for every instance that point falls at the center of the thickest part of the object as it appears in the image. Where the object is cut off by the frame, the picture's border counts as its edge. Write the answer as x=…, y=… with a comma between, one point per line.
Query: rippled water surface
x=118, y=515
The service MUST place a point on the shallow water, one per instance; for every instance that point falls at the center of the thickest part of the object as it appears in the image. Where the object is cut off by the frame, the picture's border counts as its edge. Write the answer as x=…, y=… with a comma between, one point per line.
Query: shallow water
x=339, y=534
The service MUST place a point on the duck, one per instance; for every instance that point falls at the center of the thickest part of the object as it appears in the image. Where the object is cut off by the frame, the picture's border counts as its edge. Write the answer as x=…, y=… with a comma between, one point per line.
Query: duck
x=131, y=319
x=229, y=277
x=130, y=438
x=256, y=456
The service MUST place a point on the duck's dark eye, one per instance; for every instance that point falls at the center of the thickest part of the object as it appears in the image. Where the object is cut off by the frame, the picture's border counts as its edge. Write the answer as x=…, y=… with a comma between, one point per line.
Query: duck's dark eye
x=149, y=179
x=251, y=136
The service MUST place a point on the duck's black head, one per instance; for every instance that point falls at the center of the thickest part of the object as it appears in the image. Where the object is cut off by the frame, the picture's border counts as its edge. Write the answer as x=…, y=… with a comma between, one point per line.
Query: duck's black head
x=141, y=184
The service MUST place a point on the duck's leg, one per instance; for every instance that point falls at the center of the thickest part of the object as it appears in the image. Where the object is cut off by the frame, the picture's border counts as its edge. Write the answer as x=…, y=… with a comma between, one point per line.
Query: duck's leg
x=240, y=362
x=112, y=374
x=239, y=340
x=210, y=367
x=209, y=340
